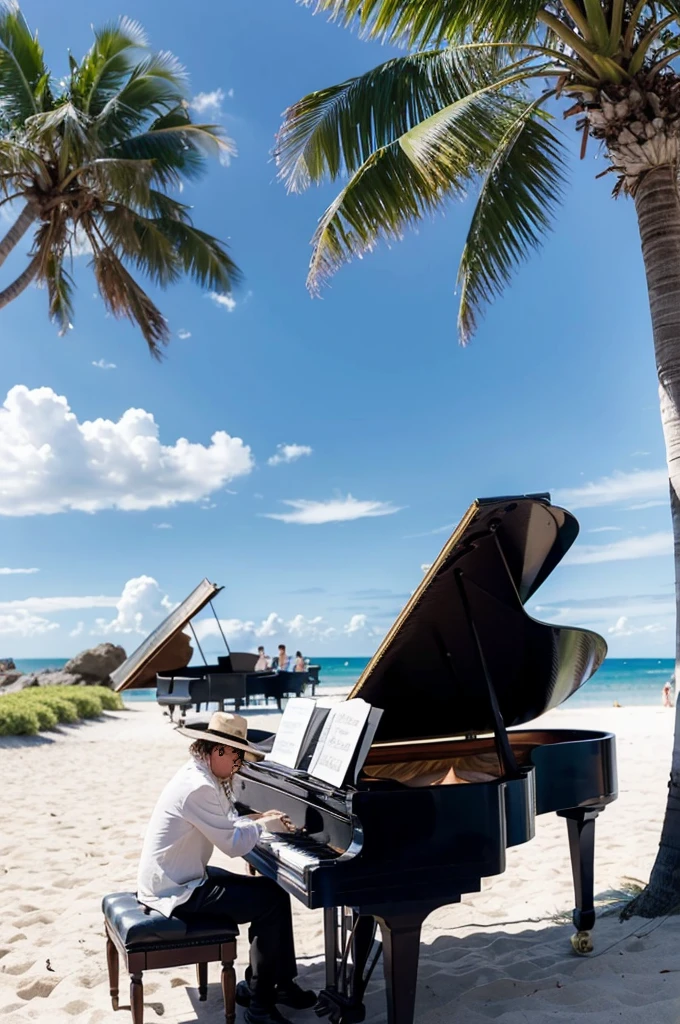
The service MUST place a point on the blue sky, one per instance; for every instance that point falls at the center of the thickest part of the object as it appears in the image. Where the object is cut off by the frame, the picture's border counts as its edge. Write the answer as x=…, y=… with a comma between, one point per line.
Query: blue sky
x=556, y=392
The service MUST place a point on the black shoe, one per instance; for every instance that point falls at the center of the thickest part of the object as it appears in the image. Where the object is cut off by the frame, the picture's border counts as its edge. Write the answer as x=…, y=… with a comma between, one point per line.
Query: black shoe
x=243, y=994
x=291, y=995
x=295, y=997
x=264, y=1015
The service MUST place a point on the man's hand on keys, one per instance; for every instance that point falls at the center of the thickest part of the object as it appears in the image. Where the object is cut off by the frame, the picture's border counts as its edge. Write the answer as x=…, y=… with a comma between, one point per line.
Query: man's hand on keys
x=274, y=821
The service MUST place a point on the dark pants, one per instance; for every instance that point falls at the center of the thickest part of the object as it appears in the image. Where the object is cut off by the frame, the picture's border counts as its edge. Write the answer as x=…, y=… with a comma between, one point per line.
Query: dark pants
x=261, y=901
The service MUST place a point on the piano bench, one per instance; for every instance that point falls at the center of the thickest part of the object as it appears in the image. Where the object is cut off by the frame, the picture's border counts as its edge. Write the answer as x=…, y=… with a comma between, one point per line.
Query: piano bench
x=146, y=940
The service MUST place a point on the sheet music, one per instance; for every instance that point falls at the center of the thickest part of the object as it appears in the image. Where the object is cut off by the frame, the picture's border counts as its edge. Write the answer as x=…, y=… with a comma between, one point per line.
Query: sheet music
x=339, y=739
x=292, y=730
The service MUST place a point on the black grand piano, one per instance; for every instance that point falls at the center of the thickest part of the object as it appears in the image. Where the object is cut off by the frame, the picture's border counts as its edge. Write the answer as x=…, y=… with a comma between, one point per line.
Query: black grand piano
x=457, y=676
x=162, y=660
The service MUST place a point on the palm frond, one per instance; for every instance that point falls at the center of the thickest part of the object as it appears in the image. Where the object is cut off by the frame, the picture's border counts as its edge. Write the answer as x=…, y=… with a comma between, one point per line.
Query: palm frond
x=22, y=67
x=158, y=204
x=156, y=84
x=104, y=69
x=176, y=146
x=69, y=125
x=60, y=288
x=203, y=258
x=123, y=297
x=20, y=165
x=521, y=186
x=127, y=181
x=414, y=23
x=335, y=130
x=402, y=182
x=141, y=240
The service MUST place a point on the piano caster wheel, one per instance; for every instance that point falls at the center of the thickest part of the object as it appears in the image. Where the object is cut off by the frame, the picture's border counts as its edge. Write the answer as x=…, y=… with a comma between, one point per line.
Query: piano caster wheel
x=581, y=943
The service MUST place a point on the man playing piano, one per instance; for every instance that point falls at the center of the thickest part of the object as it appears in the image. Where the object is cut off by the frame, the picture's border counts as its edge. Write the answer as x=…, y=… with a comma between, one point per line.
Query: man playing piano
x=194, y=813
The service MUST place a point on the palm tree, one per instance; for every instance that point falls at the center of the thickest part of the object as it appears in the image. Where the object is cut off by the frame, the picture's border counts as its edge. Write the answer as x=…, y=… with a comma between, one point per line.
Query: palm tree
x=470, y=106
x=91, y=160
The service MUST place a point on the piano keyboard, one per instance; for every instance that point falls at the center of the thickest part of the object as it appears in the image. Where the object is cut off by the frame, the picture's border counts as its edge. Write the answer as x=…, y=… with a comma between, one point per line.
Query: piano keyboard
x=295, y=851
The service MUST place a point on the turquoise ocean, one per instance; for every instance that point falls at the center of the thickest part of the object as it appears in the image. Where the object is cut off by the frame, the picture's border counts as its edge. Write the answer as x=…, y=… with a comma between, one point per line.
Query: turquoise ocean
x=630, y=681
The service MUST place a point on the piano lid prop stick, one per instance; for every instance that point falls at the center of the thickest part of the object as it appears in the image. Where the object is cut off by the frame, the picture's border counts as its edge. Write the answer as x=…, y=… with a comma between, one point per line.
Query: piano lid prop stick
x=191, y=627
x=506, y=756
x=219, y=626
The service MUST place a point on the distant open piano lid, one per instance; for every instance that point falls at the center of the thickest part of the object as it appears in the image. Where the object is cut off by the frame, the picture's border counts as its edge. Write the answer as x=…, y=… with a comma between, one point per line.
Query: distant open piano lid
x=125, y=677
x=466, y=624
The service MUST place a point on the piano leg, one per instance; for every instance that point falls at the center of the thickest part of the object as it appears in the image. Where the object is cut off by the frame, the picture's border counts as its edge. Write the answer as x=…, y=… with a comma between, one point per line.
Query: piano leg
x=581, y=832
x=330, y=946
x=349, y=940
x=401, y=949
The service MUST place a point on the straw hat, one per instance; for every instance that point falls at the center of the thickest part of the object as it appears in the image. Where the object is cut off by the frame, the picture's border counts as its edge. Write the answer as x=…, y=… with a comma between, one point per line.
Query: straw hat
x=232, y=730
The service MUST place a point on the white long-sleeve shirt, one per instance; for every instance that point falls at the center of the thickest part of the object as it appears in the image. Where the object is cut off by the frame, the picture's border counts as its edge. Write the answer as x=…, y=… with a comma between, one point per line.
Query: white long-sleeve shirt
x=193, y=814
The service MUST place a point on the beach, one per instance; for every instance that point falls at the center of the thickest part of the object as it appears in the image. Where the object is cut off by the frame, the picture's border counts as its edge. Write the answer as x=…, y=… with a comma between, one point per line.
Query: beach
x=75, y=806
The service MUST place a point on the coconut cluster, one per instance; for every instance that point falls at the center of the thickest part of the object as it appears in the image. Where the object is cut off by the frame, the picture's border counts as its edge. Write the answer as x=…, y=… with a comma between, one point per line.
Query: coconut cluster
x=639, y=125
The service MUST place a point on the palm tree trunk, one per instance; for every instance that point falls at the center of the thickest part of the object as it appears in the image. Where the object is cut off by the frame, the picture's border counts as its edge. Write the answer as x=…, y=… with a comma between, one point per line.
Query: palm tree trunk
x=17, y=231
x=17, y=286
x=658, y=208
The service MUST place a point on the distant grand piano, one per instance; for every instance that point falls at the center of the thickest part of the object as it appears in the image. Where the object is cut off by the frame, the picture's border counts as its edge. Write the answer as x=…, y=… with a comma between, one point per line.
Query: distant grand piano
x=462, y=663
x=162, y=660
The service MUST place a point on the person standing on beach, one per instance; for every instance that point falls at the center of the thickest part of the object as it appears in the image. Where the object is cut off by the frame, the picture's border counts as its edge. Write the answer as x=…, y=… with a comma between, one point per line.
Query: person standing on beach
x=194, y=813
x=262, y=663
x=299, y=662
x=283, y=660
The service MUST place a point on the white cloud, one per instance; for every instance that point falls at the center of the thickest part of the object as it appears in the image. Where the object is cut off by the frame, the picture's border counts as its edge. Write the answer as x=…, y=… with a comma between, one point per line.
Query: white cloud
x=315, y=628
x=22, y=623
x=622, y=550
x=269, y=626
x=162, y=526
x=606, y=529
x=183, y=334
x=225, y=301
x=51, y=462
x=624, y=627
x=603, y=609
x=431, y=533
x=78, y=630
x=103, y=365
x=355, y=625
x=141, y=606
x=288, y=453
x=336, y=510
x=426, y=566
x=647, y=504
x=296, y=628
x=80, y=246
x=640, y=485
x=46, y=605
x=17, y=572
x=208, y=102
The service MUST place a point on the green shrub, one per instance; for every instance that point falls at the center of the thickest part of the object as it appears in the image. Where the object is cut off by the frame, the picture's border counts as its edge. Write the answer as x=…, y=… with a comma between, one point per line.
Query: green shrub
x=43, y=707
x=111, y=701
x=16, y=720
x=47, y=716
x=65, y=709
x=87, y=702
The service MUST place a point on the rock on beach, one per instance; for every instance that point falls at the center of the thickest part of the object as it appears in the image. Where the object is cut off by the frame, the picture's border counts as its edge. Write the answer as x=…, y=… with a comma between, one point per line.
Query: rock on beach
x=92, y=667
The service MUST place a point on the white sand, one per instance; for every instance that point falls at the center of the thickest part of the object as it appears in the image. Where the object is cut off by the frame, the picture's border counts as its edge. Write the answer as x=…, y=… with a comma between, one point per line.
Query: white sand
x=75, y=805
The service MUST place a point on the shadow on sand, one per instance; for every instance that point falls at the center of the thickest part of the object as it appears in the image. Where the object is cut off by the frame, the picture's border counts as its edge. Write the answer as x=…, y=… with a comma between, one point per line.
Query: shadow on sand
x=530, y=975
x=54, y=735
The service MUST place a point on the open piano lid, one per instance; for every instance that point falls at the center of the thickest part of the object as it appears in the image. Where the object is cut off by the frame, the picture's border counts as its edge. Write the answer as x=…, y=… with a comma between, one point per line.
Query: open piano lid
x=466, y=624
x=125, y=677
